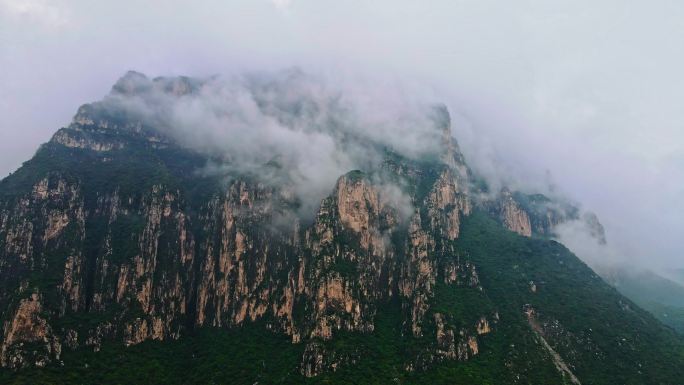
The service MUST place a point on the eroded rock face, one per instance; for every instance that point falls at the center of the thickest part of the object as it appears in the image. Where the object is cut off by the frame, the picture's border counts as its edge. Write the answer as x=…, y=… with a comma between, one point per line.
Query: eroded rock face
x=513, y=216
x=313, y=360
x=536, y=214
x=75, y=139
x=150, y=259
x=27, y=326
x=451, y=344
x=446, y=203
x=357, y=204
x=317, y=359
x=149, y=275
x=48, y=232
x=483, y=326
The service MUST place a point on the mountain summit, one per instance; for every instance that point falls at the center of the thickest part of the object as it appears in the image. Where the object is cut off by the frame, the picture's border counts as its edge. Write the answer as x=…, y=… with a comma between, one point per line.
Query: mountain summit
x=270, y=229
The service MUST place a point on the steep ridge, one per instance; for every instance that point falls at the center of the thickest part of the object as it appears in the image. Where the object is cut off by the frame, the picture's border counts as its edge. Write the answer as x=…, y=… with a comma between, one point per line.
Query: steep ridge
x=111, y=238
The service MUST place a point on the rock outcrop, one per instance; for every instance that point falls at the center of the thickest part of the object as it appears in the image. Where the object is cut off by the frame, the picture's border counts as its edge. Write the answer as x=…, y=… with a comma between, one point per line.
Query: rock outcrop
x=536, y=214
x=513, y=216
x=110, y=234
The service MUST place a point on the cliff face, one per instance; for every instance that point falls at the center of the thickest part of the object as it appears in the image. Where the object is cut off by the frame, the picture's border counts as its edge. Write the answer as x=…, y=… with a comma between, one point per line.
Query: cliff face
x=88, y=258
x=114, y=233
x=537, y=215
x=513, y=216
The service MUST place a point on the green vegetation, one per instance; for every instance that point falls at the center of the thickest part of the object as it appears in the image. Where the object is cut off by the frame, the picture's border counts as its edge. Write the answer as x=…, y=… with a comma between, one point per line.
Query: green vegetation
x=662, y=297
x=606, y=337
x=252, y=354
x=129, y=171
x=672, y=316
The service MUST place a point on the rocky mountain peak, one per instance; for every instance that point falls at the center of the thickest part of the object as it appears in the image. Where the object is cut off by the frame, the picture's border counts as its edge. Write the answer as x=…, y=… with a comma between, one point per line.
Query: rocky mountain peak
x=131, y=83
x=134, y=83
x=116, y=234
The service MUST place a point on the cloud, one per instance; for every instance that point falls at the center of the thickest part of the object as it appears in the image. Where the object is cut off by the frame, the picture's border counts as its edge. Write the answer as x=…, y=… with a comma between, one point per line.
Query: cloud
x=282, y=4
x=578, y=237
x=44, y=12
x=314, y=128
x=589, y=91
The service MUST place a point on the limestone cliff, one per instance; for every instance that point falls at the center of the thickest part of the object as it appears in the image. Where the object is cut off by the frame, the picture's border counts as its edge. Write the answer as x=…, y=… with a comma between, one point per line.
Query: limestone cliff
x=149, y=259
x=110, y=234
x=537, y=214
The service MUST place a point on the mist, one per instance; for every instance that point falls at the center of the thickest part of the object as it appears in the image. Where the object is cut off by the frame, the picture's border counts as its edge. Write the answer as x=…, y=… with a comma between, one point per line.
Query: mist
x=577, y=98
x=287, y=126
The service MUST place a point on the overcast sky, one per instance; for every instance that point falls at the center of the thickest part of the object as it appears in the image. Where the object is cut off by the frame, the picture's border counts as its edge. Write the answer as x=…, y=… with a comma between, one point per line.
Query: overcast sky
x=589, y=90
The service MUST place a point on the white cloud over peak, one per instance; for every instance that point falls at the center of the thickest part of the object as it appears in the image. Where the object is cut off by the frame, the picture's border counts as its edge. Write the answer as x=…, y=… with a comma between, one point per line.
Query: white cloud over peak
x=589, y=90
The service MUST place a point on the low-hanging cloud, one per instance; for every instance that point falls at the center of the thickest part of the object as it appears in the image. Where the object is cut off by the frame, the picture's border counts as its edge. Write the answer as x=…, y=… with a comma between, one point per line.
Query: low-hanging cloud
x=315, y=129
x=590, y=91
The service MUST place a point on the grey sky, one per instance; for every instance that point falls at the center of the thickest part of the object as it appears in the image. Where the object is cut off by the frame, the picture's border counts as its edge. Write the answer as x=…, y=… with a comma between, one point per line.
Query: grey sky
x=589, y=90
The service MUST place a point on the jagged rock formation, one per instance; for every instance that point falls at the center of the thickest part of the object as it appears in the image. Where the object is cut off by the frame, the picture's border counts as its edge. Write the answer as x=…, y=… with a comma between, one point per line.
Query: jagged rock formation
x=150, y=264
x=513, y=216
x=110, y=234
x=536, y=214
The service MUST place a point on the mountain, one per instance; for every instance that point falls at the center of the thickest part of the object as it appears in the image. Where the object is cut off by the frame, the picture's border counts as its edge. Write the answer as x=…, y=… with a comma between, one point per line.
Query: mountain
x=132, y=250
x=662, y=297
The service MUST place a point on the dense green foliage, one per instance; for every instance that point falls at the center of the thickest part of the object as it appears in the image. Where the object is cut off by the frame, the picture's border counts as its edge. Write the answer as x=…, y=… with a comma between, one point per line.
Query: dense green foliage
x=135, y=169
x=672, y=316
x=603, y=335
x=252, y=354
x=662, y=297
